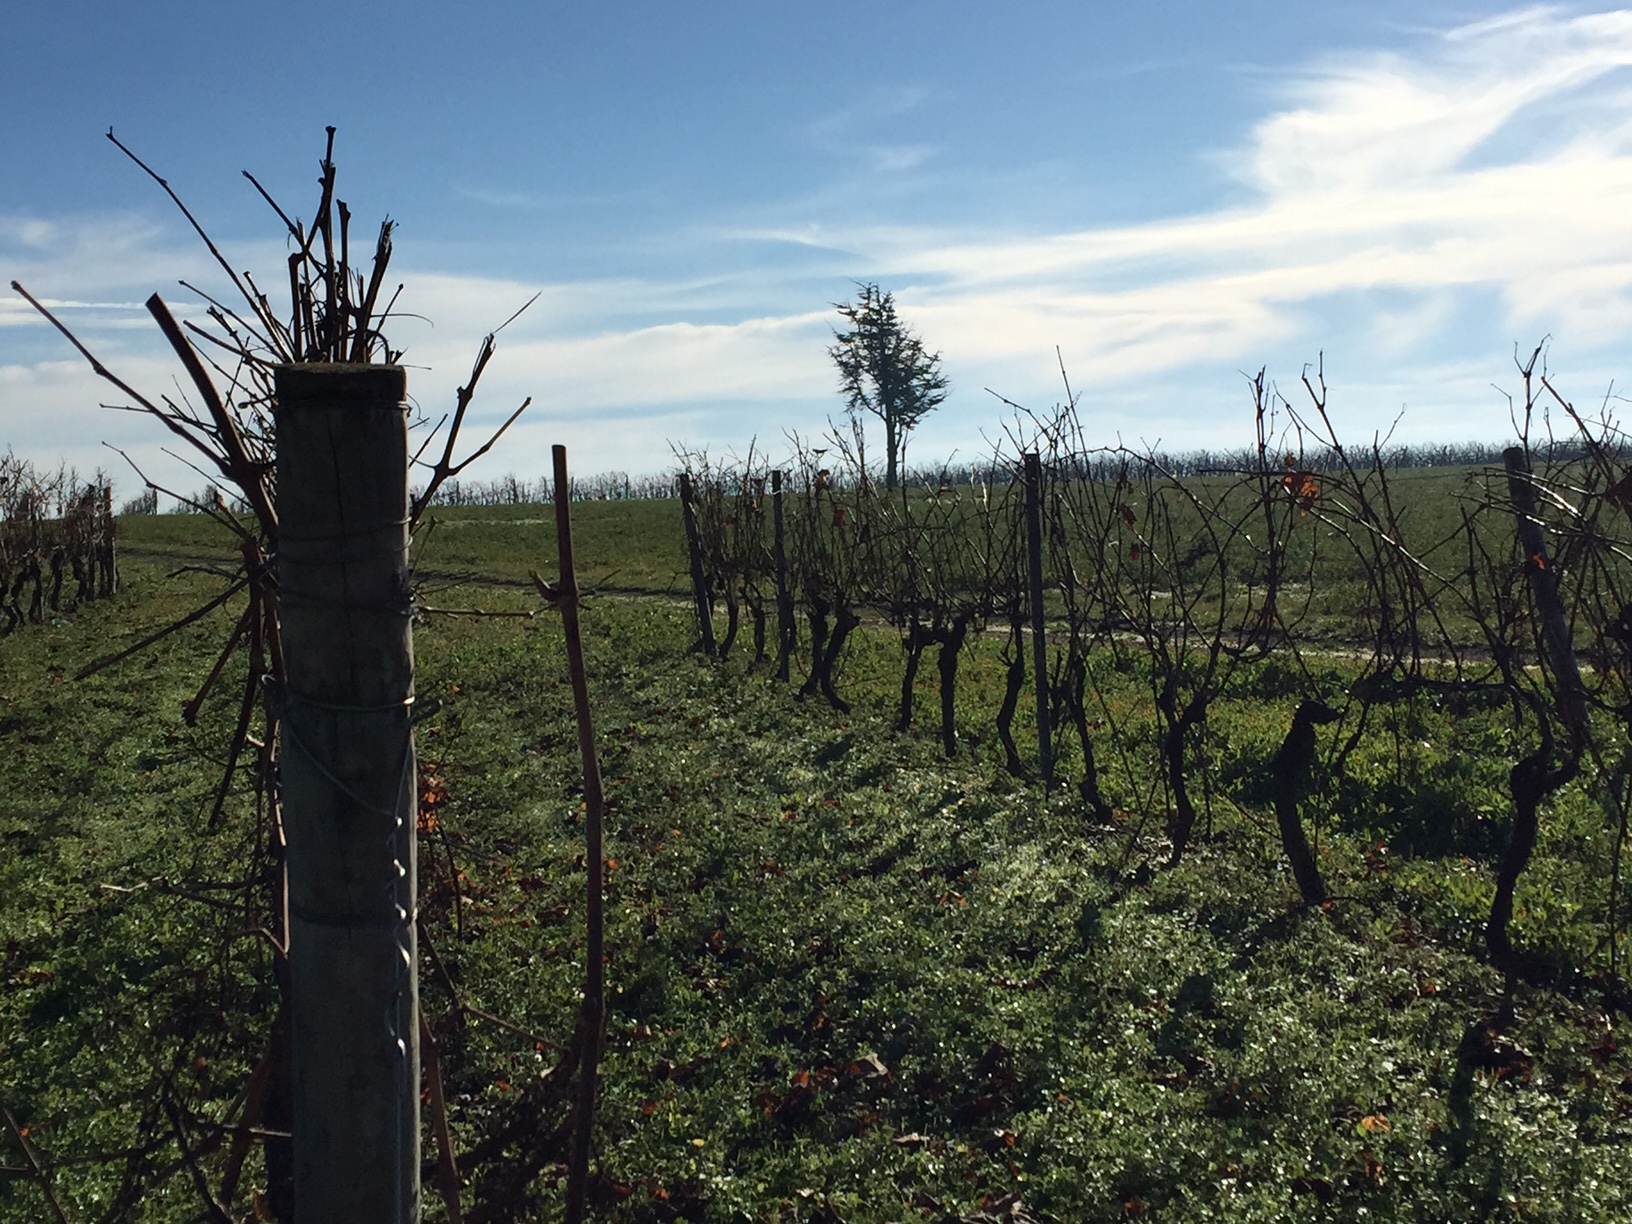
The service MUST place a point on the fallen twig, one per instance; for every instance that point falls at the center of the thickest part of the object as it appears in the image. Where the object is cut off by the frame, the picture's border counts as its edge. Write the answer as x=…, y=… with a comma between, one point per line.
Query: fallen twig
x=34, y=1163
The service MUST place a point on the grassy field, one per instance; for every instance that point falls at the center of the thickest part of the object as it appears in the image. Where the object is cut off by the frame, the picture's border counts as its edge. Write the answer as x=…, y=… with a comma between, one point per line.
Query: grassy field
x=852, y=980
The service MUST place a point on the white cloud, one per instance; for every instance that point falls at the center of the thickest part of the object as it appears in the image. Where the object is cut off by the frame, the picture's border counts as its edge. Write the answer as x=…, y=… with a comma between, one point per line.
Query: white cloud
x=852, y=130
x=1381, y=174
x=51, y=412
x=1379, y=122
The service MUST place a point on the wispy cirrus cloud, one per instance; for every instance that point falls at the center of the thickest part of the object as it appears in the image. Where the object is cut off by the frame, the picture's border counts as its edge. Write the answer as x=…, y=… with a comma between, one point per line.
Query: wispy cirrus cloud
x=852, y=131
x=1382, y=122
x=1424, y=173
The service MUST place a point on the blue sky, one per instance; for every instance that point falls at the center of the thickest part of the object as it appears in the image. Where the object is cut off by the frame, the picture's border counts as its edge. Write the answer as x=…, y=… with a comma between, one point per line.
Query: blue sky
x=1172, y=193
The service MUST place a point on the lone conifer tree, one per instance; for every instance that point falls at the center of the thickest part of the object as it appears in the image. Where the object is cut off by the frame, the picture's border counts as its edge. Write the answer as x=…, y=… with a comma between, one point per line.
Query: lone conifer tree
x=884, y=370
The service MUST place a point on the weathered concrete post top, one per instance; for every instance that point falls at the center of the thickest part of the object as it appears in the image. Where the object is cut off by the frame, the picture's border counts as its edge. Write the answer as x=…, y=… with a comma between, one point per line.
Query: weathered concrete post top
x=348, y=790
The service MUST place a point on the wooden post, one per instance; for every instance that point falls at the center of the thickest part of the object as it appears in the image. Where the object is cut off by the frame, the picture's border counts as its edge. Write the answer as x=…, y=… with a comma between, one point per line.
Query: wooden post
x=107, y=577
x=699, y=581
x=1039, y=643
x=1556, y=640
x=593, y=1020
x=786, y=630
x=348, y=791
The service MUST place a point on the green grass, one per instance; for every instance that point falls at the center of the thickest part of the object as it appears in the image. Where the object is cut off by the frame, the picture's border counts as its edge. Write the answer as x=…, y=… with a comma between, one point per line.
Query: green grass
x=623, y=545
x=851, y=980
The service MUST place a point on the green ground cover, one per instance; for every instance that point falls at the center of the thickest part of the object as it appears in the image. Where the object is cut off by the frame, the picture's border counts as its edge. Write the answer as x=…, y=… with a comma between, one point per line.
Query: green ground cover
x=626, y=545
x=851, y=980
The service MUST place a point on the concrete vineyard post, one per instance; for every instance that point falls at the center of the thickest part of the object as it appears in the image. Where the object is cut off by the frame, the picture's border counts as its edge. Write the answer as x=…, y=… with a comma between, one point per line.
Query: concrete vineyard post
x=348, y=790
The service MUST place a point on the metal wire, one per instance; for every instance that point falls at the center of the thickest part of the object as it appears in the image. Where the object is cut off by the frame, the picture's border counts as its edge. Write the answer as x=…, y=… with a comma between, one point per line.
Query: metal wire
x=399, y=917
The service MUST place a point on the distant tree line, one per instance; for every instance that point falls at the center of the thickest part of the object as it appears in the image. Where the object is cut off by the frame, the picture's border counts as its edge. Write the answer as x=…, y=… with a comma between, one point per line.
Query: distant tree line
x=1392, y=457
x=145, y=502
x=513, y=490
